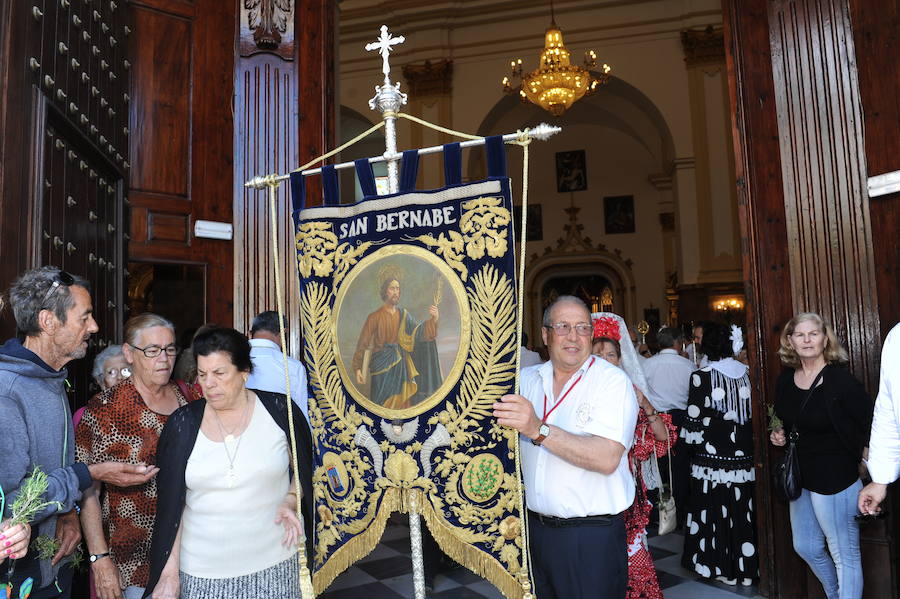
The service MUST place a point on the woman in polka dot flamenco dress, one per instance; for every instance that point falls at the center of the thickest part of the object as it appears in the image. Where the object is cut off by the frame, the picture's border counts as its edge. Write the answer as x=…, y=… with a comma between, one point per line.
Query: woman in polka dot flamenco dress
x=720, y=533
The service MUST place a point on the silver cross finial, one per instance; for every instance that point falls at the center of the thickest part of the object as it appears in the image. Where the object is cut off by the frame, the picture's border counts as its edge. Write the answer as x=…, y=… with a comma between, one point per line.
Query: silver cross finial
x=383, y=45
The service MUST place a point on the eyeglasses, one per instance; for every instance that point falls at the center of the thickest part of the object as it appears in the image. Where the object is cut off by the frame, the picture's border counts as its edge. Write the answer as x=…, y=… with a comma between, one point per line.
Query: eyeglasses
x=584, y=329
x=62, y=278
x=151, y=351
x=123, y=372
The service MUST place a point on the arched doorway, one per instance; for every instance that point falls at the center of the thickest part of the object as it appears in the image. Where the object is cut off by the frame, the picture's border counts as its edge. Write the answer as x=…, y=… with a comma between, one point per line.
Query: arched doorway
x=629, y=153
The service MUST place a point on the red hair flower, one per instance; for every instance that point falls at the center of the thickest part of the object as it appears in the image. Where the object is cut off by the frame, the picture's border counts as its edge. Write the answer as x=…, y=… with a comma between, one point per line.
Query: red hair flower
x=606, y=327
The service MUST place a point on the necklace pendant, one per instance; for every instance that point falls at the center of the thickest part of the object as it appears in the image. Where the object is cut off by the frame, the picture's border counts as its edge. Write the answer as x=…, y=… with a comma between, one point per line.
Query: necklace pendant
x=231, y=478
x=229, y=438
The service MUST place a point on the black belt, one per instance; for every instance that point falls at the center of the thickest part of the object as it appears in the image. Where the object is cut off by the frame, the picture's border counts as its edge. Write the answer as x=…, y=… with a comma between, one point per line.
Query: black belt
x=560, y=522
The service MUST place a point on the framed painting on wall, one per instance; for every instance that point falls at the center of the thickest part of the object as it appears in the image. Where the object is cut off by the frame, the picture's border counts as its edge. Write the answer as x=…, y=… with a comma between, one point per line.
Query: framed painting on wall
x=618, y=214
x=571, y=171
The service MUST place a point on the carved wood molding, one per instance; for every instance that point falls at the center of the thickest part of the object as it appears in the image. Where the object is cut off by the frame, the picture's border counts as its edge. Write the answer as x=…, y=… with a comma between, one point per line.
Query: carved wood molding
x=703, y=47
x=429, y=78
x=267, y=26
x=826, y=205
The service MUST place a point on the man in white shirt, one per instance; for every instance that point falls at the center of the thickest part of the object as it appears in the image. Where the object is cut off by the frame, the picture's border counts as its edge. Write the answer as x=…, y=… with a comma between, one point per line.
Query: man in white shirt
x=576, y=417
x=884, y=443
x=668, y=380
x=268, y=362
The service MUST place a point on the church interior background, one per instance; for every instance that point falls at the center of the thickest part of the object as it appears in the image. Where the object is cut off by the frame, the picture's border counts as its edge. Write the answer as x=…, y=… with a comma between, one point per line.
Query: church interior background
x=720, y=173
x=652, y=210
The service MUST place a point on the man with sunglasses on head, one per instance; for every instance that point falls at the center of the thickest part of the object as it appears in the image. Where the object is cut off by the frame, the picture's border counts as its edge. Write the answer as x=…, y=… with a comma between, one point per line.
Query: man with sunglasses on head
x=54, y=318
x=576, y=415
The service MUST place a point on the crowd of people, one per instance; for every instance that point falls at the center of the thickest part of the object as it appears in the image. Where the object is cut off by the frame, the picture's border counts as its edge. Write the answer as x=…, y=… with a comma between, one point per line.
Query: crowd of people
x=187, y=488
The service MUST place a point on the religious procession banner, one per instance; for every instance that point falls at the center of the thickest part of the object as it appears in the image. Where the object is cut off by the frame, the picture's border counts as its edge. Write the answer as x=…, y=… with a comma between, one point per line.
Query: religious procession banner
x=409, y=319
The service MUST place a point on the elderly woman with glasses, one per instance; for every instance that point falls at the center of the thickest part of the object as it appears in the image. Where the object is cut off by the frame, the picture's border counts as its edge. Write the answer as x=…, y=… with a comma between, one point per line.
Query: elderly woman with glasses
x=830, y=416
x=110, y=367
x=123, y=423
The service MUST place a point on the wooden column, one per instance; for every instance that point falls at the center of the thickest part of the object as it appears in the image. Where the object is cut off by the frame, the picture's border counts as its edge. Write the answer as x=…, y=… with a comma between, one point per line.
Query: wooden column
x=875, y=26
x=284, y=106
x=820, y=130
x=801, y=173
x=764, y=246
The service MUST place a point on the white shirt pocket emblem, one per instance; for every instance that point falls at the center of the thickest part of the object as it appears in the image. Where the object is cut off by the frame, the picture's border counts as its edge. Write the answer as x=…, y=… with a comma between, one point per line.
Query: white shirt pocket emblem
x=583, y=414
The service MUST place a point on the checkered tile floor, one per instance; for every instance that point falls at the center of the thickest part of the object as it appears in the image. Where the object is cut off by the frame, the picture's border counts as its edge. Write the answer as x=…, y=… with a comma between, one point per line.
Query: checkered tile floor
x=386, y=573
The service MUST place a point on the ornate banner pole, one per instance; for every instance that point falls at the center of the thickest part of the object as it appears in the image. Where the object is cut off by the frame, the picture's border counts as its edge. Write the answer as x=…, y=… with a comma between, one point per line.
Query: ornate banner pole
x=388, y=99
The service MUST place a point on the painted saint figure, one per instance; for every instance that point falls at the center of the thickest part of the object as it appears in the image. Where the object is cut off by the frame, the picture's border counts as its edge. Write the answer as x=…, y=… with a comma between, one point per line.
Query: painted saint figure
x=398, y=351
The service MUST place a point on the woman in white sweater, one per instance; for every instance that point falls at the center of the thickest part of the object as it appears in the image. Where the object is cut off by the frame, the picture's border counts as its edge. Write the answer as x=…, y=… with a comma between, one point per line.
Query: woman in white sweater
x=226, y=523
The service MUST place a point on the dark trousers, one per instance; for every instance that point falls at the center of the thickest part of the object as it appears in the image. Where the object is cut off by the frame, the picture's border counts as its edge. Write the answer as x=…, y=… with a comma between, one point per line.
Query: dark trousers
x=681, y=469
x=573, y=559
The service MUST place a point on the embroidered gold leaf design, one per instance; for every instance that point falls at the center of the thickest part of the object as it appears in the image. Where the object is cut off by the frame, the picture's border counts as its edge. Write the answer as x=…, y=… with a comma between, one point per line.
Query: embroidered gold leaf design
x=450, y=246
x=323, y=373
x=485, y=377
x=331, y=412
x=345, y=256
x=485, y=223
x=401, y=468
x=315, y=243
x=509, y=528
x=356, y=519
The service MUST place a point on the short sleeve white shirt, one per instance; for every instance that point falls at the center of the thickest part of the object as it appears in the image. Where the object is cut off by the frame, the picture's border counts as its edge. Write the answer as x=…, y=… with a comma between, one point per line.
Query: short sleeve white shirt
x=668, y=380
x=884, y=444
x=602, y=403
x=268, y=373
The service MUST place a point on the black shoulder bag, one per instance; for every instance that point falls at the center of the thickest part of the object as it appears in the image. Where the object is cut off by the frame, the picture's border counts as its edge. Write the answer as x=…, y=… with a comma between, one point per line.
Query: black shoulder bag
x=787, y=472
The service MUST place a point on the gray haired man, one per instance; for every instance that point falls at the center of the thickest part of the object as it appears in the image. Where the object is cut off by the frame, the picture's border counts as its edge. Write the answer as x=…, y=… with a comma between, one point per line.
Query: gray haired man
x=54, y=318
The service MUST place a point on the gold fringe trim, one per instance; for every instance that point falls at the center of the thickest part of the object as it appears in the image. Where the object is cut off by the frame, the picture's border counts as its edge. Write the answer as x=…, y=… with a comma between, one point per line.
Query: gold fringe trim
x=359, y=546
x=476, y=560
x=399, y=500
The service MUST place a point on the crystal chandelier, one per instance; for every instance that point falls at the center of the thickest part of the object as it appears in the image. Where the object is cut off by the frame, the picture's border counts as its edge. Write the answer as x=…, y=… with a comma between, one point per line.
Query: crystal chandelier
x=557, y=83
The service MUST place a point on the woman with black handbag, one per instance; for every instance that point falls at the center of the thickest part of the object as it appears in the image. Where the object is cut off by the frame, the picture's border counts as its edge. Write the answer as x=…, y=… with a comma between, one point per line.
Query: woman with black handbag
x=829, y=415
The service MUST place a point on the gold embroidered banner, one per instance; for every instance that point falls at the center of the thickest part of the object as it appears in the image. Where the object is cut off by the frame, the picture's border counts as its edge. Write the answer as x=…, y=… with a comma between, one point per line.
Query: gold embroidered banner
x=409, y=313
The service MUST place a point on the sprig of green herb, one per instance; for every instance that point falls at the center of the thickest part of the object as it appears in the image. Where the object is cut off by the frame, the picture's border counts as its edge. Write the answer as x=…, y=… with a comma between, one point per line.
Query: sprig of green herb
x=30, y=500
x=78, y=557
x=45, y=547
x=775, y=422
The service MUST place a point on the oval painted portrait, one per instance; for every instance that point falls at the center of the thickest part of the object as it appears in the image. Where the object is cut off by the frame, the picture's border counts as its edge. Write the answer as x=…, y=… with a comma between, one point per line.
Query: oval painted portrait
x=401, y=330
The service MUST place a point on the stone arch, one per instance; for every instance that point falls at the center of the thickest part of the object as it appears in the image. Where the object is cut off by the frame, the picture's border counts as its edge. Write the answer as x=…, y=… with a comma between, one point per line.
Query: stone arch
x=617, y=104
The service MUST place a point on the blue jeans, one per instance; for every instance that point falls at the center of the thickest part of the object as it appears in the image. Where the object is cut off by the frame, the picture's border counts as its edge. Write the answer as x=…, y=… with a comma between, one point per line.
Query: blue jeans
x=819, y=519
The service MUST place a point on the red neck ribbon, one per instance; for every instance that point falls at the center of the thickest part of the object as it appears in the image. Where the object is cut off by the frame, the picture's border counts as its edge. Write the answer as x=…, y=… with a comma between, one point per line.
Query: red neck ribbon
x=566, y=394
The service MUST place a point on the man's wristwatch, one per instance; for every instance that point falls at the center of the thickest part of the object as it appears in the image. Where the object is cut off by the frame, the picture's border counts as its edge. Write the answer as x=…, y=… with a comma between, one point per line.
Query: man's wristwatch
x=95, y=556
x=543, y=433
